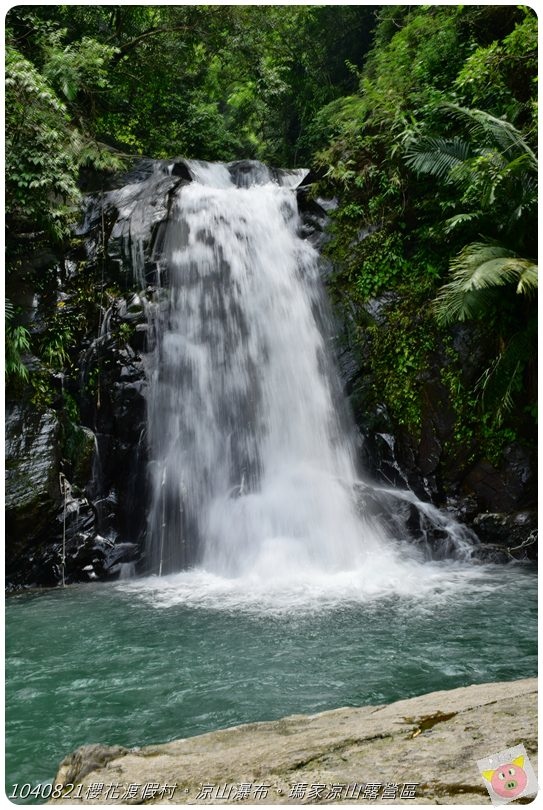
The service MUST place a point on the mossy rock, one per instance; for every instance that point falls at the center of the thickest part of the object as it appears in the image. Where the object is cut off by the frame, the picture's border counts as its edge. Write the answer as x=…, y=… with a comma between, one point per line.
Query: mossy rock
x=78, y=448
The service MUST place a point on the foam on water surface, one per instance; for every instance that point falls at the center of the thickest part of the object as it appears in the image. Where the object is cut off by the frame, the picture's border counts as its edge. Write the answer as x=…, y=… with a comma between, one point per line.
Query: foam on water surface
x=422, y=586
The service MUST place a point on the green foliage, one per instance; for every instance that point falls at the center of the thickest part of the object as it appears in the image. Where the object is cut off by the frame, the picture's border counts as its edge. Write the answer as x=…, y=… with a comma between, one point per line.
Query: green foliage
x=41, y=162
x=485, y=420
x=17, y=339
x=400, y=351
x=477, y=270
x=502, y=382
x=437, y=156
x=435, y=149
x=495, y=171
x=216, y=82
x=70, y=319
x=502, y=74
x=80, y=67
x=382, y=264
x=55, y=347
x=49, y=87
x=42, y=391
x=71, y=408
x=341, y=118
x=125, y=332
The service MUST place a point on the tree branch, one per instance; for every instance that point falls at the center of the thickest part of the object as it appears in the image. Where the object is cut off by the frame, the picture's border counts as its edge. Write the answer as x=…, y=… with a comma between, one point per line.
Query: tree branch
x=123, y=50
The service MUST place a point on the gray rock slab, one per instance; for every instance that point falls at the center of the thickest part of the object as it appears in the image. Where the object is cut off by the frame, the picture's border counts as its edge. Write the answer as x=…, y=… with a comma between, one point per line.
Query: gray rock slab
x=433, y=740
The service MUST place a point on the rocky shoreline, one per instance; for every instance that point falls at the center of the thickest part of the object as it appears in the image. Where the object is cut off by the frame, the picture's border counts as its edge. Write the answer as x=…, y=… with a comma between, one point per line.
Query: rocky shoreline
x=423, y=748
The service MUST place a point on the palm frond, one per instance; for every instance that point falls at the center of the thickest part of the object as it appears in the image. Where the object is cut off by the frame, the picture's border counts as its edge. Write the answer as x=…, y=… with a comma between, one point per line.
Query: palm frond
x=452, y=305
x=17, y=343
x=500, y=133
x=527, y=282
x=500, y=271
x=460, y=219
x=477, y=268
x=516, y=165
x=522, y=189
x=465, y=267
x=437, y=156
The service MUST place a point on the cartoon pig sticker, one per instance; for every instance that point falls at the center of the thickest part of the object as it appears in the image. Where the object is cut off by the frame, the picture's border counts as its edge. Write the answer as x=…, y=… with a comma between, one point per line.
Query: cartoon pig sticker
x=508, y=780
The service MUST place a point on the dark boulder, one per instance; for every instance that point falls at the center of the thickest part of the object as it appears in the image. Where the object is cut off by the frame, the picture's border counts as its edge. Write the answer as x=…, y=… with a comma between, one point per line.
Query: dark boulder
x=513, y=534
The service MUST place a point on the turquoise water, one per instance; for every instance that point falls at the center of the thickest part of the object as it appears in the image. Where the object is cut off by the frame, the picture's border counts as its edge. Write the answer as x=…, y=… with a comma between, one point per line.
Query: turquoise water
x=144, y=662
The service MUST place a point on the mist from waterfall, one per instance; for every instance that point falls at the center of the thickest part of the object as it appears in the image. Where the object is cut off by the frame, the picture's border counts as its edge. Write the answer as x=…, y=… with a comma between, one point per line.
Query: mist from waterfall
x=253, y=456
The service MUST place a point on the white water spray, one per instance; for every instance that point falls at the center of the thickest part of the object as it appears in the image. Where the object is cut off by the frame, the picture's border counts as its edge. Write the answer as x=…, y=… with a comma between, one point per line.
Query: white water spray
x=252, y=455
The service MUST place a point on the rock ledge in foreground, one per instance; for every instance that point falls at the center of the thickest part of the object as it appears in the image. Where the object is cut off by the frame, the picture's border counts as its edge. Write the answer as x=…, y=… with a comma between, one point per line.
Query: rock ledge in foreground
x=433, y=740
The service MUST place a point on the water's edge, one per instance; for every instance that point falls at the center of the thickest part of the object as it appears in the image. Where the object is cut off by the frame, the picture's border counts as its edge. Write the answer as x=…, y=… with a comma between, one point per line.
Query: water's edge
x=147, y=661
x=426, y=747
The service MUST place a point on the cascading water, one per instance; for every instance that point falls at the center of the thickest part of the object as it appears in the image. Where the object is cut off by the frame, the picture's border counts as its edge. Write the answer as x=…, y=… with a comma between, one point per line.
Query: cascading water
x=253, y=464
x=291, y=582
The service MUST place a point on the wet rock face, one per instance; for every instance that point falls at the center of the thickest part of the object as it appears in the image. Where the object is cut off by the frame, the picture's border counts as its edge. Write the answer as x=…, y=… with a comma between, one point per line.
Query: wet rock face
x=513, y=535
x=93, y=532
x=314, y=218
x=35, y=518
x=116, y=409
x=104, y=459
x=503, y=488
x=44, y=525
x=32, y=474
x=126, y=223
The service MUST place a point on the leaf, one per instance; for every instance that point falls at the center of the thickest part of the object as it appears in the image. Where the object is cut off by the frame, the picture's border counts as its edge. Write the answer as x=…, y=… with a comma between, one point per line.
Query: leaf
x=460, y=219
x=504, y=376
x=437, y=156
x=528, y=280
x=477, y=268
x=491, y=130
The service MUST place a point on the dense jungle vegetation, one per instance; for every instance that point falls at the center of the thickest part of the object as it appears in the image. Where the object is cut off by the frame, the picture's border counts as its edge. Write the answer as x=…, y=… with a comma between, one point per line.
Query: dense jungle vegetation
x=420, y=120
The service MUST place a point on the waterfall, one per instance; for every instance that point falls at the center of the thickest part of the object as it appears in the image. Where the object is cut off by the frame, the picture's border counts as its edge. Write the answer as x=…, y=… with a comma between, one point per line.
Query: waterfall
x=253, y=467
